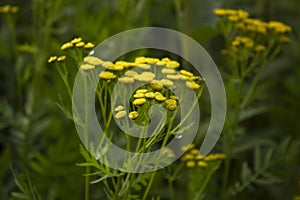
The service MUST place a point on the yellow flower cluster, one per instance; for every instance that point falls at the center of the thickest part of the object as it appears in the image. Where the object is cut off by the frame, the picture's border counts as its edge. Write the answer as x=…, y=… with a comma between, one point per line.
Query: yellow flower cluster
x=245, y=41
x=192, y=157
x=9, y=9
x=250, y=29
x=142, y=95
x=120, y=113
x=76, y=42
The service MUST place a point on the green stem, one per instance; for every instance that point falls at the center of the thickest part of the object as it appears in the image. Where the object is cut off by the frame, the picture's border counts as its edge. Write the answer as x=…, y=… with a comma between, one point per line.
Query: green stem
x=87, y=183
x=149, y=186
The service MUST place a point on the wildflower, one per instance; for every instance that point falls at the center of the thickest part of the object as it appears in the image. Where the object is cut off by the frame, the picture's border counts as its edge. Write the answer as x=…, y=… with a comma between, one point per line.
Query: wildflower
x=76, y=40
x=9, y=9
x=187, y=157
x=186, y=73
x=259, y=48
x=171, y=106
x=195, y=151
x=144, y=66
x=93, y=60
x=126, y=80
x=119, y=108
x=150, y=95
x=66, y=46
x=174, y=97
x=174, y=77
x=140, y=60
x=220, y=12
x=61, y=58
x=152, y=60
x=107, y=75
x=202, y=164
x=192, y=85
x=124, y=63
x=52, y=59
x=80, y=44
x=139, y=95
x=279, y=27
x=284, y=39
x=161, y=63
x=89, y=45
x=133, y=115
x=141, y=91
x=138, y=102
x=171, y=101
x=107, y=64
x=145, y=77
x=87, y=67
x=242, y=14
x=120, y=114
x=172, y=64
x=156, y=85
x=115, y=67
x=189, y=147
x=233, y=18
x=190, y=164
x=168, y=71
x=131, y=73
x=160, y=97
x=167, y=83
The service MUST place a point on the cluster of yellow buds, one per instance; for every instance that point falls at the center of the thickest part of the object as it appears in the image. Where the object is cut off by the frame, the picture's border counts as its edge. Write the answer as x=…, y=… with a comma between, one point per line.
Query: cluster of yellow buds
x=9, y=9
x=121, y=112
x=76, y=42
x=250, y=30
x=144, y=63
x=192, y=157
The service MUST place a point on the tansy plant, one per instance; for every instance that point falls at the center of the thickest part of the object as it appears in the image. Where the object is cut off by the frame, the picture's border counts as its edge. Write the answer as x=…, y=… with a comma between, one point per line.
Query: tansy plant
x=156, y=78
x=250, y=45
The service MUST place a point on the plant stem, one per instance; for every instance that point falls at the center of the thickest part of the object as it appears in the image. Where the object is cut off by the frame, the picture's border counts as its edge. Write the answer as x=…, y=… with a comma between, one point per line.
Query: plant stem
x=149, y=186
x=87, y=183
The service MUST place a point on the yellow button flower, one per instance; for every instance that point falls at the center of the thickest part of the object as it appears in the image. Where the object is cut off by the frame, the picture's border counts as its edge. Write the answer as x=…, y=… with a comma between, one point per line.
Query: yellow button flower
x=171, y=106
x=119, y=108
x=160, y=97
x=66, y=46
x=150, y=95
x=61, y=58
x=133, y=115
x=52, y=59
x=80, y=44
x=168, y=71
x=76, y=40
x=192, y=85
x=87, y=67
x=131, y=73
x=144, y=66
x=93, y=60
x=190, y=164
x=139, y=95
x=202, y=164
x=126, y=80
x=143, y=91
x=173, y=64
x=121, y=114
x=156, y=85
x=89, y=45
x=171, y=101
x=259, y=48
x=186, y=73
x=107, y=75
x=167, y=83
x=174, y=97
x=138, y=102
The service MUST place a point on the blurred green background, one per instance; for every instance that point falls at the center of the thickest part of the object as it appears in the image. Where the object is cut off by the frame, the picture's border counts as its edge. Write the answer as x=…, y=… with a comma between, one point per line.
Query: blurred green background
x=39, y=145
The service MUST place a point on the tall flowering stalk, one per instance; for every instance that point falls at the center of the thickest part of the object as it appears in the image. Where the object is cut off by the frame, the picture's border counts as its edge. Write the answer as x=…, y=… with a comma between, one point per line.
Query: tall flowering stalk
x=156, y=78
x=250, y=44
